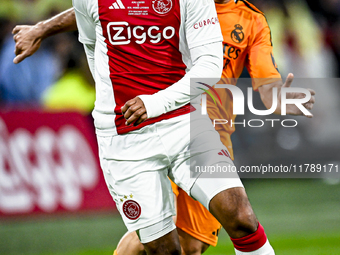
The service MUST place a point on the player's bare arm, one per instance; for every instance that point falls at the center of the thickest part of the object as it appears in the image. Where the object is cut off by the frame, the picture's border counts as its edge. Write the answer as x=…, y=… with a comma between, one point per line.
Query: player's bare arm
x=130, y=244
x=267, y=96
x=28, y=38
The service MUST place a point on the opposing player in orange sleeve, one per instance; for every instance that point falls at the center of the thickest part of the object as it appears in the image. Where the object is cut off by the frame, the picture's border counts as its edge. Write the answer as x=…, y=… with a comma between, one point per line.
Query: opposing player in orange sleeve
x=247, y=43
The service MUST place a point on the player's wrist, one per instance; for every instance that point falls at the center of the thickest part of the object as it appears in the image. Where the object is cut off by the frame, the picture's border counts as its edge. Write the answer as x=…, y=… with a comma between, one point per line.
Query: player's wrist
x=40, y=30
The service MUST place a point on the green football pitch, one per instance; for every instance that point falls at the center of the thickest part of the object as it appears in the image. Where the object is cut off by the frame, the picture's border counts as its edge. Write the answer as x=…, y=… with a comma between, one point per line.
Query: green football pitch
x=300, y=217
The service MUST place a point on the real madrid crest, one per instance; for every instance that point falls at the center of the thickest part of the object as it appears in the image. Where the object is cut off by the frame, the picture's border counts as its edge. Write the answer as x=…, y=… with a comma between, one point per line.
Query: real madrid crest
x=237, y=34
x=162, y=6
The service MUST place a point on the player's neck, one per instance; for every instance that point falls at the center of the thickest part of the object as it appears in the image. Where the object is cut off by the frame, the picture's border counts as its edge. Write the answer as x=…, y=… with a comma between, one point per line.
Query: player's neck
x=222, y=1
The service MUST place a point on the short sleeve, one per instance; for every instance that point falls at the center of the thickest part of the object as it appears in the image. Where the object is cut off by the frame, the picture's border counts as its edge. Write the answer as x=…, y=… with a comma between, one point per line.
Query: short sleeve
x=202, y=25
x=260, y=63
x=85, y=24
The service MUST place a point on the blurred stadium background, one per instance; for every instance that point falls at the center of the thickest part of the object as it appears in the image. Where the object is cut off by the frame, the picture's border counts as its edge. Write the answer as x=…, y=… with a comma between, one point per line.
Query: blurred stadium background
x=52, y=196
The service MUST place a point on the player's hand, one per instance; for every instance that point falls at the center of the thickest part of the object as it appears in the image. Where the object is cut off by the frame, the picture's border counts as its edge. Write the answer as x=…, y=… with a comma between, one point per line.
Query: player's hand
x=134, y=111
x=292, y=109
x=27, y=41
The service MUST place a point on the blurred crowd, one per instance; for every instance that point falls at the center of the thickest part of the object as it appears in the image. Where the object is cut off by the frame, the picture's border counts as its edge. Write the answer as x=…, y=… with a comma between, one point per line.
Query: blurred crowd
x=306, y=40
x=305, y=34
x=56, y=76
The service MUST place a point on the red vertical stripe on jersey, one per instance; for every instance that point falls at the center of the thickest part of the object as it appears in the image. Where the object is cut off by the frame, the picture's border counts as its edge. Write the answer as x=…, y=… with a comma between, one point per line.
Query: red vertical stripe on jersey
x=143, y=50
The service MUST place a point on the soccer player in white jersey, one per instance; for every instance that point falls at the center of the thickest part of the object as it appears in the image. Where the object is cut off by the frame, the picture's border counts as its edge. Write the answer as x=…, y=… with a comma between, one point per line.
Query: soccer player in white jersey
x=142, y=56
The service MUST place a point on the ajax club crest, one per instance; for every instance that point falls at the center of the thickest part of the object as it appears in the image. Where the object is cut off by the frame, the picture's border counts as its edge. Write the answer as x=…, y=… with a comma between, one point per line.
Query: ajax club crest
x=237, y=34
x=162, y=6
x=131, y=209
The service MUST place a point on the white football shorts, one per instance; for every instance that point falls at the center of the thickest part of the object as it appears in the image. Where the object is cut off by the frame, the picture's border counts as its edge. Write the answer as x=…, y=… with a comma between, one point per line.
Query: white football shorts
x=136, y=166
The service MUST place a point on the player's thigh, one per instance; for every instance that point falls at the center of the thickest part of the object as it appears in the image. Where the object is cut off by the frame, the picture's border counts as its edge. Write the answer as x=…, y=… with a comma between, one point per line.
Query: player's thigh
x=140, y=187
x=144, y=200
x=186, y=143
x=196, y=221
x=204, y=157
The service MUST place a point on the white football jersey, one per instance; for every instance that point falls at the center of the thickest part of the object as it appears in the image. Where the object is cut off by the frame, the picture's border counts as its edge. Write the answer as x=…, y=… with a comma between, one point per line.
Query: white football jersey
x=141, y=47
